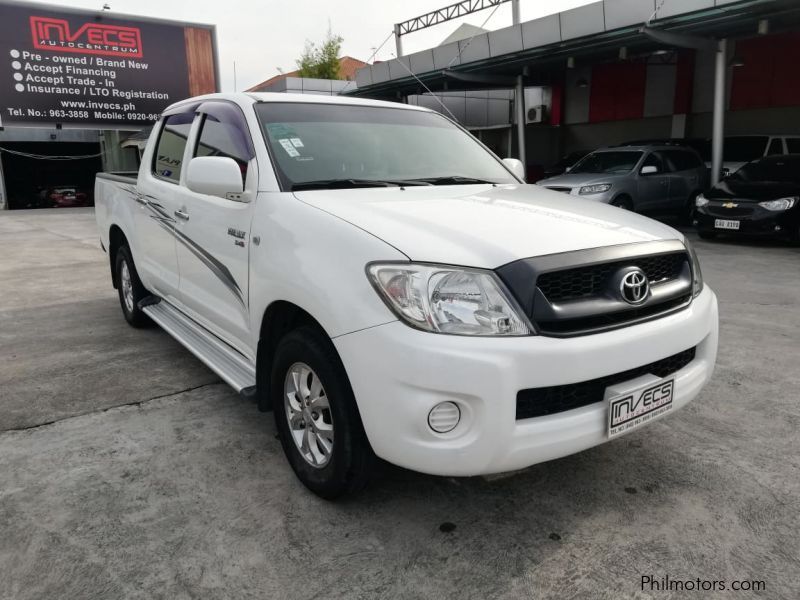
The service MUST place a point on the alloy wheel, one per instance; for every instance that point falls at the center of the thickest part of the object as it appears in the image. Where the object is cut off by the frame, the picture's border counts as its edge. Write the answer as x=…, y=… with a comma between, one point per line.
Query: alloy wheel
x=308, y=414
x=127, y=286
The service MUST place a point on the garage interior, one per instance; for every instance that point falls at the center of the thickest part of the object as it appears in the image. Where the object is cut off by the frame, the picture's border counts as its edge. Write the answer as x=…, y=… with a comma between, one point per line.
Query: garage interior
x=616, y=70
x=29, y=176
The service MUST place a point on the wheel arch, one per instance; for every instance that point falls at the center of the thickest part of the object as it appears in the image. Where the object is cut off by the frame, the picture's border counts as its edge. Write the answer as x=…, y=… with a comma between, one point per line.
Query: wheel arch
x=627, y=197
x=116, y=239
x=280, y=317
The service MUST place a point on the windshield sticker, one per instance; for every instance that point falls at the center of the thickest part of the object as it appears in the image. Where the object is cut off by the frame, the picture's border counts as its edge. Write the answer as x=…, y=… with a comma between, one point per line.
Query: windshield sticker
x=279, y=130
x=289, y=147
x=297, y=142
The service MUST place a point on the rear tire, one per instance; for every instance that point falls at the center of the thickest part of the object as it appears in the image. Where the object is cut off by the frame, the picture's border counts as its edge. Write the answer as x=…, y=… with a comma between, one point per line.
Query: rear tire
x=130, y=289
x=312, y=399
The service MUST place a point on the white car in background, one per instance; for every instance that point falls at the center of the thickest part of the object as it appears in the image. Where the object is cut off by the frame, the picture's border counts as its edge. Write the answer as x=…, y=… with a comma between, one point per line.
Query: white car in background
x=739, y=150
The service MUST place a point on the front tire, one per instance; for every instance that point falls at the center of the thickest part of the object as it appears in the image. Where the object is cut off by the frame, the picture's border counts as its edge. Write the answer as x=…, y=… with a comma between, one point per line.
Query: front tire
x=130, y=289
x=686, y=214
x=316, y=415
x=622, y=202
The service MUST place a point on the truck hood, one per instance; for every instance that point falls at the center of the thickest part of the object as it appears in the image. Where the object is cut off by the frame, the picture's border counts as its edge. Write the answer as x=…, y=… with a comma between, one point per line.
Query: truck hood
x=482, y=225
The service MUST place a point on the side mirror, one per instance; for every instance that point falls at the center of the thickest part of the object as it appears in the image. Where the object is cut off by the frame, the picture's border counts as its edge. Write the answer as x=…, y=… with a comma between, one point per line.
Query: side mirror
x=516, y=167
x=649, y=170
x=216, y=176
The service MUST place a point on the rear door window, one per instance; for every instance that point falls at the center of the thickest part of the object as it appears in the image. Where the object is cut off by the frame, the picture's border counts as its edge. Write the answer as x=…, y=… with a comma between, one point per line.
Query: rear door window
x=775, y=147
x=168, y=158
x=683, y=160
x=793, y=145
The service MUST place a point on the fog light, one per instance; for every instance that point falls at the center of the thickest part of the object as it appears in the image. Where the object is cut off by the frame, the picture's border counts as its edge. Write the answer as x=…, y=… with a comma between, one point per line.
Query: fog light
x=444, y=417
x=777, y=227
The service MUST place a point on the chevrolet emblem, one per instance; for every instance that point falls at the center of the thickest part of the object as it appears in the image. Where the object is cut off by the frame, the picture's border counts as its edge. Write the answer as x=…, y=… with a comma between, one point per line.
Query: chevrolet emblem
x=729, y=205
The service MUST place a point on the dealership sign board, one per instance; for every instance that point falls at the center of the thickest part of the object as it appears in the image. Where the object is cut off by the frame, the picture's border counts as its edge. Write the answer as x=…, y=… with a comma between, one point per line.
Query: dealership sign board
x=81, y=67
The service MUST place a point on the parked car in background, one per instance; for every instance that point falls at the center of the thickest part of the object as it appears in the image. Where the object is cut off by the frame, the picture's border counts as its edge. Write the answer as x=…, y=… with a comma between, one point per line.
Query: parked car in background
x=64, y=196
x=761, y=198
x=641, y=178
x=738, y=150
x=563, y=164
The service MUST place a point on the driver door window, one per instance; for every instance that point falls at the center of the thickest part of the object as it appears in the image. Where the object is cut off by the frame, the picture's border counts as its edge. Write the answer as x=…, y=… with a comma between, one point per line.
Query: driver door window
x=654, y=160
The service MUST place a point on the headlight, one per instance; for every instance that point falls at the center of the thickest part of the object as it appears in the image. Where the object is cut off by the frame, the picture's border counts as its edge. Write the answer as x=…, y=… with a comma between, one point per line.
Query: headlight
x=700, y=201
x=697, y=274
x=595, y=189
x=448, y=299
x=780, y=204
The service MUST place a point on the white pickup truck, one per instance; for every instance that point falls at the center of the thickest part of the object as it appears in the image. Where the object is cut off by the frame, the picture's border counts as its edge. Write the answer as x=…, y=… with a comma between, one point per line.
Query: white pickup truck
x=390, y=288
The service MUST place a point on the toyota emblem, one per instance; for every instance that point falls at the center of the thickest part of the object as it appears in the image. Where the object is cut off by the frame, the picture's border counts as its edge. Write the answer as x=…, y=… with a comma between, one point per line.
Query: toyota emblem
x=634, y=286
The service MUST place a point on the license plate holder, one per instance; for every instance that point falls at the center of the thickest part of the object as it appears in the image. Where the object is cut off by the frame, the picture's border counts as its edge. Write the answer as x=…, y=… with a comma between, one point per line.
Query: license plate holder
x=726, y=224
x=639, y=405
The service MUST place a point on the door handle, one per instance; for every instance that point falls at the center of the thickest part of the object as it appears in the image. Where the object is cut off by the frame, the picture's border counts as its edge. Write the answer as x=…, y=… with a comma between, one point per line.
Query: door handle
x=183, y=216
x=141, y=199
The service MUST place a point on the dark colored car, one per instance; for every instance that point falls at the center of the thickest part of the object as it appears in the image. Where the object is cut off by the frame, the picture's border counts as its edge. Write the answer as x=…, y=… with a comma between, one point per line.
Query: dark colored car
x=67, y=196
x=564, y=163
x=761, y=198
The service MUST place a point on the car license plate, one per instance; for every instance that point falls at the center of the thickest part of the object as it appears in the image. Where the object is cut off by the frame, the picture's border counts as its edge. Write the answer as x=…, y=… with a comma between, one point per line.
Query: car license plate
x=726, y=224
x=632, y=409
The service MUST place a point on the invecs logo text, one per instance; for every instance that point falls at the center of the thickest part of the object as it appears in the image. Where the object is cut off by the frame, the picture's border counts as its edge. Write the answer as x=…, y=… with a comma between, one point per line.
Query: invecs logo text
x=90, y=38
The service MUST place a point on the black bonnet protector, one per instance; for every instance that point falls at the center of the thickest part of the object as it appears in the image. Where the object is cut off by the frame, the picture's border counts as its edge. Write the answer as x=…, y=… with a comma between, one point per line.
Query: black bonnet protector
x=580, y=292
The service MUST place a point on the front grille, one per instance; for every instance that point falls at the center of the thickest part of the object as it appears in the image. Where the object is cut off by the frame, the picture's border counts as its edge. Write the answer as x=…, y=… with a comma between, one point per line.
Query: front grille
x=584, y=282
x=609, y=320
x=720, y=212
x=538, y=402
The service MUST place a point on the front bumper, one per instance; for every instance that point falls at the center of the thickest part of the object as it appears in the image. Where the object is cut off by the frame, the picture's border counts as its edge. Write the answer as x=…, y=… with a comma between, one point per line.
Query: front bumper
x=398, y=374
x=759, y=221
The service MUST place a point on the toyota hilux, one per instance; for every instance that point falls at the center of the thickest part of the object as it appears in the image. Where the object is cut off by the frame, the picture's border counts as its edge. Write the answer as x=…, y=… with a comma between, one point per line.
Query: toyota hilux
x=393, y=290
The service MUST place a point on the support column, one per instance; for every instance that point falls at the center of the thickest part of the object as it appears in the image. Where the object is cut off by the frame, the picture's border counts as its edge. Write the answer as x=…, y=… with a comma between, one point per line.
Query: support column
x=519, y=109
x=515, y=12
x=398, y=41
x=720, y=89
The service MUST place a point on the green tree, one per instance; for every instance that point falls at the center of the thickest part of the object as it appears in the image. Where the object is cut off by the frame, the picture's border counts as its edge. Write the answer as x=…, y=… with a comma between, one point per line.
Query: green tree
x=321, y=62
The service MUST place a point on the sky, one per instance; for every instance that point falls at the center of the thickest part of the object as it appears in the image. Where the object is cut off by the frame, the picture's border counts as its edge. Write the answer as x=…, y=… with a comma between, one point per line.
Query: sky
x=263, y=36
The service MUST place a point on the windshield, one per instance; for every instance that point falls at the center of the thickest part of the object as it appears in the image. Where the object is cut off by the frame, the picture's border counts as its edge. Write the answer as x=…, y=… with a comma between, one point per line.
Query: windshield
x=744, y=148
x=327, y=143
x=783, y=170
x=608, y=162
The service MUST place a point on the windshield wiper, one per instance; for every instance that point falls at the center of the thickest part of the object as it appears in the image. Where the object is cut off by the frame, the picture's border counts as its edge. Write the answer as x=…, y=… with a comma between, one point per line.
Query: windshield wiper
x=453, y=180
x=338, y=184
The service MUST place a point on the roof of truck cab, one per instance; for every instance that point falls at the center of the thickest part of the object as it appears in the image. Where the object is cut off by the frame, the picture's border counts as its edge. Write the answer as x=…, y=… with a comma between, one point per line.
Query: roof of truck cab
x=257, y=97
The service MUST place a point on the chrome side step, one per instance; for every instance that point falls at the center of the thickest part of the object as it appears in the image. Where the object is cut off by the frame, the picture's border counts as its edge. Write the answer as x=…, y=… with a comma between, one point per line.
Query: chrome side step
x=226, y=362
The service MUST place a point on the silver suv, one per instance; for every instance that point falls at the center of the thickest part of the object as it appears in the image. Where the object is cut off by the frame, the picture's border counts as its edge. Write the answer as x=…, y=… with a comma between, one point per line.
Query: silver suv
x=641, y=178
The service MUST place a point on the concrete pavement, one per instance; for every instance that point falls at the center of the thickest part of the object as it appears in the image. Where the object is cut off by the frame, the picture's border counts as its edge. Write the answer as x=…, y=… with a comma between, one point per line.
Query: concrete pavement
x=128, y=471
